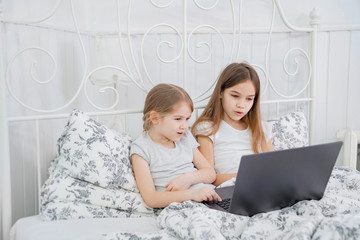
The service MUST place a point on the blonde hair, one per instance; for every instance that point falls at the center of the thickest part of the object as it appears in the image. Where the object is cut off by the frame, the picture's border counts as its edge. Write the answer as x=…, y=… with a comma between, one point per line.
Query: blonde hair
x=162, y=99
x=232, y=75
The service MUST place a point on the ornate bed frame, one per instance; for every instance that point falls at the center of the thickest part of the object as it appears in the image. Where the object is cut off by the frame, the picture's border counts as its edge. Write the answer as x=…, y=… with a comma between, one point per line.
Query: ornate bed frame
x=185, y=51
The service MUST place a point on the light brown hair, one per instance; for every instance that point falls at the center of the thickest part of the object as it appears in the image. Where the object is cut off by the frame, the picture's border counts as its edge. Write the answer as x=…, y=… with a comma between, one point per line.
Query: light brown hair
x=232, y=75
x=162, y=99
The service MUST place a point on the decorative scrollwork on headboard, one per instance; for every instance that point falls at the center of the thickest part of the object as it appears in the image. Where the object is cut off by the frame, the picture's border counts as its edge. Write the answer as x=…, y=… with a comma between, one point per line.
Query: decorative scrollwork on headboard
x=302, y=51
x=135, y=70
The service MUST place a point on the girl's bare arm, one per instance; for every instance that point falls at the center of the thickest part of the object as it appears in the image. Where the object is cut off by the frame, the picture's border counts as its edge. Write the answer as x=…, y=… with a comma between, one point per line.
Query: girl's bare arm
x=161, y=199
x=205, y=174
x=268, y=146
x=207, y=149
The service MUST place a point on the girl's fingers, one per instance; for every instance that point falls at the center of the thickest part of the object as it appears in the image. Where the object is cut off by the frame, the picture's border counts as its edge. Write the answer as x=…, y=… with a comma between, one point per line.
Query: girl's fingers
x=210, y=198
x=215, y=196
x=218, y=197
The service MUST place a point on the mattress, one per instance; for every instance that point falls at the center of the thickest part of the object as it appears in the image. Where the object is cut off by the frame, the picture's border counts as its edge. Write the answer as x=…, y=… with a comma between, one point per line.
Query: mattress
x=30, y=228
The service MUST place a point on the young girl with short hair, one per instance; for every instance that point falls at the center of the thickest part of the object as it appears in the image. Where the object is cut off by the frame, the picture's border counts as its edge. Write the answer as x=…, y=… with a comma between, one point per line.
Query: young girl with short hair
x=230, y=125
x=167, y=164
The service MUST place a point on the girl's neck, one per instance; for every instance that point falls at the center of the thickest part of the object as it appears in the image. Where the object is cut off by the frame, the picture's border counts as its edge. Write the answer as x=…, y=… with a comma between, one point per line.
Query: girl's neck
x=159, y=139
x=238, y=125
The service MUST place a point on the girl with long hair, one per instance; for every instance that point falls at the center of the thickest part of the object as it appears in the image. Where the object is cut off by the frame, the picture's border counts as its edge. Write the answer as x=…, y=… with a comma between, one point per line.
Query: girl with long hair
x=230, y=125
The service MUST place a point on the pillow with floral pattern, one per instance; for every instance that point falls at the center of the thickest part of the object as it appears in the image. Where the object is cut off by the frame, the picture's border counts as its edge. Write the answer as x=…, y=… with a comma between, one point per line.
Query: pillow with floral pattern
x=95, y=153
x=290, y=131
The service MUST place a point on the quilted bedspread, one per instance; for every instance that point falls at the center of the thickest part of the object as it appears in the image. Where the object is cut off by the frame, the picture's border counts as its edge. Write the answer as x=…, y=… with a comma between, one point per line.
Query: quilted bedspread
x=335, y=216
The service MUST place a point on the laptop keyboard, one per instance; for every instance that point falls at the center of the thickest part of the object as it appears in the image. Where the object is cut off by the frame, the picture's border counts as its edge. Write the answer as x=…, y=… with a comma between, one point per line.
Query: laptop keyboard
x=225, y=203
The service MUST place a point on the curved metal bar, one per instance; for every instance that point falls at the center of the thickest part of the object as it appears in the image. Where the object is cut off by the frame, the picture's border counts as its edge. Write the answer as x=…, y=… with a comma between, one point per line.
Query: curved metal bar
x=233, y=28
x=36, y=20
x=204, y=43
x=286, y=56
x=205, y=8
x=50, y=78
x=162, y=42
x=206, y=94
x=81, y=83
x=32, y=74
x=200, y=97
x=171, y=45
x=161, y=6
x=104, y=89
x=296, y=61
x=287, y=23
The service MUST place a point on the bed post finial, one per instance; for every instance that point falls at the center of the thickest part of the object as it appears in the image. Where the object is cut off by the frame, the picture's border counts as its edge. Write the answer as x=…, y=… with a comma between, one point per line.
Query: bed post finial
x=315, y=17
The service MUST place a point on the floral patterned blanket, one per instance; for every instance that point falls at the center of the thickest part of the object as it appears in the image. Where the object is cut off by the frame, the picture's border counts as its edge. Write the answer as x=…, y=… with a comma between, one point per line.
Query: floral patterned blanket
x=335, y=216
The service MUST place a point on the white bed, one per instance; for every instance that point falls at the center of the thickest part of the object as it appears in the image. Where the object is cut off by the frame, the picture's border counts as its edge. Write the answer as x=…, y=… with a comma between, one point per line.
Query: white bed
x=103, y=65
x=90, y=228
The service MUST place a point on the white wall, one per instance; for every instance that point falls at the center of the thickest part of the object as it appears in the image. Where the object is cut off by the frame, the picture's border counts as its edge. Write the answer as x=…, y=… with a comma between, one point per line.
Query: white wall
x=332, y=12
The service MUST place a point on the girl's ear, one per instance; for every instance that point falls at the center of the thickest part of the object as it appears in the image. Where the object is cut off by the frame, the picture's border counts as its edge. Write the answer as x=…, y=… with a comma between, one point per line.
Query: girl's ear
x=154, y=117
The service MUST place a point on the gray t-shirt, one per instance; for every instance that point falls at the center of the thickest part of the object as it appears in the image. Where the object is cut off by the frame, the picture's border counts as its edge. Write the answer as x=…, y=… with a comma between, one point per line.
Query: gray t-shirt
x=166, y=163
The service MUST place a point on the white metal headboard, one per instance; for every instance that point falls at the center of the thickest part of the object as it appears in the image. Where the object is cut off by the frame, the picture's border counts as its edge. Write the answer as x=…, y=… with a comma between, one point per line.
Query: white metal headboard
x=135, y=72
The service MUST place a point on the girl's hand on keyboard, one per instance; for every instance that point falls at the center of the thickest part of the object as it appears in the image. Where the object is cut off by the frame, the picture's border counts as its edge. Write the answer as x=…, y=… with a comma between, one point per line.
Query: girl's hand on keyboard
x=205, y=194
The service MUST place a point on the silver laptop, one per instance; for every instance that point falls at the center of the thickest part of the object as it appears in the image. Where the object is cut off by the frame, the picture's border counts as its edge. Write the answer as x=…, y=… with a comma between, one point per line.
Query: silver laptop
x=278, y=179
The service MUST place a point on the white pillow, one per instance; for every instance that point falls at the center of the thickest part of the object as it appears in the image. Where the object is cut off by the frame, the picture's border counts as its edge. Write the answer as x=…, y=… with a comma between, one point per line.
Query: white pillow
x=92, y=175
x=94, y=153
x=65, y=197
x=290, y=131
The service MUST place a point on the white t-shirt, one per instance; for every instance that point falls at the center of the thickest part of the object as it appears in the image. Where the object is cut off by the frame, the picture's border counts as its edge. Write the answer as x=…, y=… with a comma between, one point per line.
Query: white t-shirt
x=166, y=163
x=230, y=144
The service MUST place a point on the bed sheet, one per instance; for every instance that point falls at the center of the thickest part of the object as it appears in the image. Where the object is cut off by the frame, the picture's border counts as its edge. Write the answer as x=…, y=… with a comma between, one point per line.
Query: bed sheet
x=335, y=217
x=33, y=227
